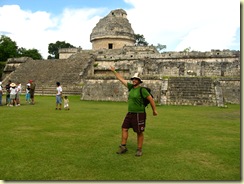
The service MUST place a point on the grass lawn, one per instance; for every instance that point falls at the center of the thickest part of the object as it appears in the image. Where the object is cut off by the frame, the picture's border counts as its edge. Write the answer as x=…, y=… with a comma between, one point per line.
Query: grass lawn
x=182, y=143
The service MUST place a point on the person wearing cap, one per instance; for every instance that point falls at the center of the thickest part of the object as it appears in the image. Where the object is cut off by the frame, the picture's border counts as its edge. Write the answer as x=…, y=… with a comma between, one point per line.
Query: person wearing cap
x=136, y=115
x=13, y=92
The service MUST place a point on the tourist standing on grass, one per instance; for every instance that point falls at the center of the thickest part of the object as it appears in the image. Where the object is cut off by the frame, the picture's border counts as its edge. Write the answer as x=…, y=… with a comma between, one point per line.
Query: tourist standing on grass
x=13, y=92
x=136, y=115
x=32, y=91
x=7, y=87
x=59, y=96
x=1, y=93
x=18, y=94
x=27, y=93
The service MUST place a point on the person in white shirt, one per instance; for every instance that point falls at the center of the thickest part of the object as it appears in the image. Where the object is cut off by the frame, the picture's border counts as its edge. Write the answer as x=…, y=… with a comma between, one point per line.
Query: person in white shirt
x=66, y=103
x=59, y=96
x=13, y=92
x=27, y=93
x=18, y=94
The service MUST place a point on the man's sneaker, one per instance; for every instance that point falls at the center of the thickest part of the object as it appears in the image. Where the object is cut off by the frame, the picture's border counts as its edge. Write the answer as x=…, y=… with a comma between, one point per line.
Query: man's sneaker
x=138, y=153
x=122, y=149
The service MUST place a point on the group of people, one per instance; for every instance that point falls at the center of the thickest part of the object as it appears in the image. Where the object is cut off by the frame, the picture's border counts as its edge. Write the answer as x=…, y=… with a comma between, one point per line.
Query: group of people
x=14, y=90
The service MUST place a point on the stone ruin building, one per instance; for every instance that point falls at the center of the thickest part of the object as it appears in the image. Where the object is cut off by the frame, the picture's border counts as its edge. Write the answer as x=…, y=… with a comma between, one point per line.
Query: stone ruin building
x=176, y=78
x=112, y=32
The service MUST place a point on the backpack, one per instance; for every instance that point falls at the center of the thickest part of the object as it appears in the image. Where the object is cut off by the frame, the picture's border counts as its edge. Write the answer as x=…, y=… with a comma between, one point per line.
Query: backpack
x=145, y=100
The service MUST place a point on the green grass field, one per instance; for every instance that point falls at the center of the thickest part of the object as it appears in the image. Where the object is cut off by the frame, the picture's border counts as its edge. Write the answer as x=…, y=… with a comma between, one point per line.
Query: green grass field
x=182, y=143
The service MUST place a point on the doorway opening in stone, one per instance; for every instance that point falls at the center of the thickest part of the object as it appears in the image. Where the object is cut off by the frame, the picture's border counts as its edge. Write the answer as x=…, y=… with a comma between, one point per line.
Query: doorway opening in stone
x=110, y=46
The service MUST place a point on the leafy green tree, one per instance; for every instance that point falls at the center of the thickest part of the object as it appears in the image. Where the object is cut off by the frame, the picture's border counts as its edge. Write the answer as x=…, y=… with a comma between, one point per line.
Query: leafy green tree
x=140, y=40
x=33, y=53
x=54, y=47
x=8, y=48
x=2, y=65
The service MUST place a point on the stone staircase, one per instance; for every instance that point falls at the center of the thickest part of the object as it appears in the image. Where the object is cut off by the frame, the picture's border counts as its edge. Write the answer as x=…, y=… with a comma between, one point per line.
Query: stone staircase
x=45, y=73
x=191, y=91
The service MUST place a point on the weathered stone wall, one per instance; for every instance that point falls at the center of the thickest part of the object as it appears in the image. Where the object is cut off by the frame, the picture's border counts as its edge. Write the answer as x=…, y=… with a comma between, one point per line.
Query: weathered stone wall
x=231, y=90
x=159, y=67
x=103, y=90
x=116, y=43
x=67, y=52
x=168, y=75
x=112, y=90
x=148, y=62
x=169, y=91
x=190, y=91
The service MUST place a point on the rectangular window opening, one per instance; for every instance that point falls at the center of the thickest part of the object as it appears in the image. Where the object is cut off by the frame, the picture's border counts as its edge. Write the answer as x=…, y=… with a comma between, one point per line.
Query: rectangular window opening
x=110, y=46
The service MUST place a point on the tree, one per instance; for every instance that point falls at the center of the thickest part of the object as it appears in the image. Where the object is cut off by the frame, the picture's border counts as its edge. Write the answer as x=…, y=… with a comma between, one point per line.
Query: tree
x=140, y=40
x=53, y=48
x=188, y=49
x=33, y=53
x=160, y=47
x=8, y=48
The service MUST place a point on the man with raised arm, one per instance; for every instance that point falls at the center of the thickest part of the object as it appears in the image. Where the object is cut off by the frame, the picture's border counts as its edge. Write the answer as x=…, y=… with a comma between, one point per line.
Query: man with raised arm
x=136, y=115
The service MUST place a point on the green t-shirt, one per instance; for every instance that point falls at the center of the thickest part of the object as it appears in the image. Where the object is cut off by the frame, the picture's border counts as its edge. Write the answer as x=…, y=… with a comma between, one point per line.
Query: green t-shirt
x=135, y=101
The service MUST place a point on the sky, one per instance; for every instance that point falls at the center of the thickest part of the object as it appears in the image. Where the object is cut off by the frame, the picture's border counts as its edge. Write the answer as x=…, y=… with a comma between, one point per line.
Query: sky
x=178, y=24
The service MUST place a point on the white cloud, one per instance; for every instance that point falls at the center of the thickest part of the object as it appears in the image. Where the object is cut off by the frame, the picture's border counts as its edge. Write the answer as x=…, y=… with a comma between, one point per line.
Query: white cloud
x=38, y=29
x=76, y=25
x=201, y=25
x=27, y=29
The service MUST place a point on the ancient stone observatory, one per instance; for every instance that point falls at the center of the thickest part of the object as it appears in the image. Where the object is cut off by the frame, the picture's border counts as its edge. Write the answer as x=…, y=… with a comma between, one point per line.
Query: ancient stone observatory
x=112, y=32
x=176, y=78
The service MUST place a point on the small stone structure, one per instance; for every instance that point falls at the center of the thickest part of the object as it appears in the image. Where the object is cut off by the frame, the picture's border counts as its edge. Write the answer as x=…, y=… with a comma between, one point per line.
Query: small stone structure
x=176, y=78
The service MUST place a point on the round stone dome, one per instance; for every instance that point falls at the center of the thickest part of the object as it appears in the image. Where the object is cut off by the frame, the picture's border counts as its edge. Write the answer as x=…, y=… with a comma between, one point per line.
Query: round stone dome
x=113, y=31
